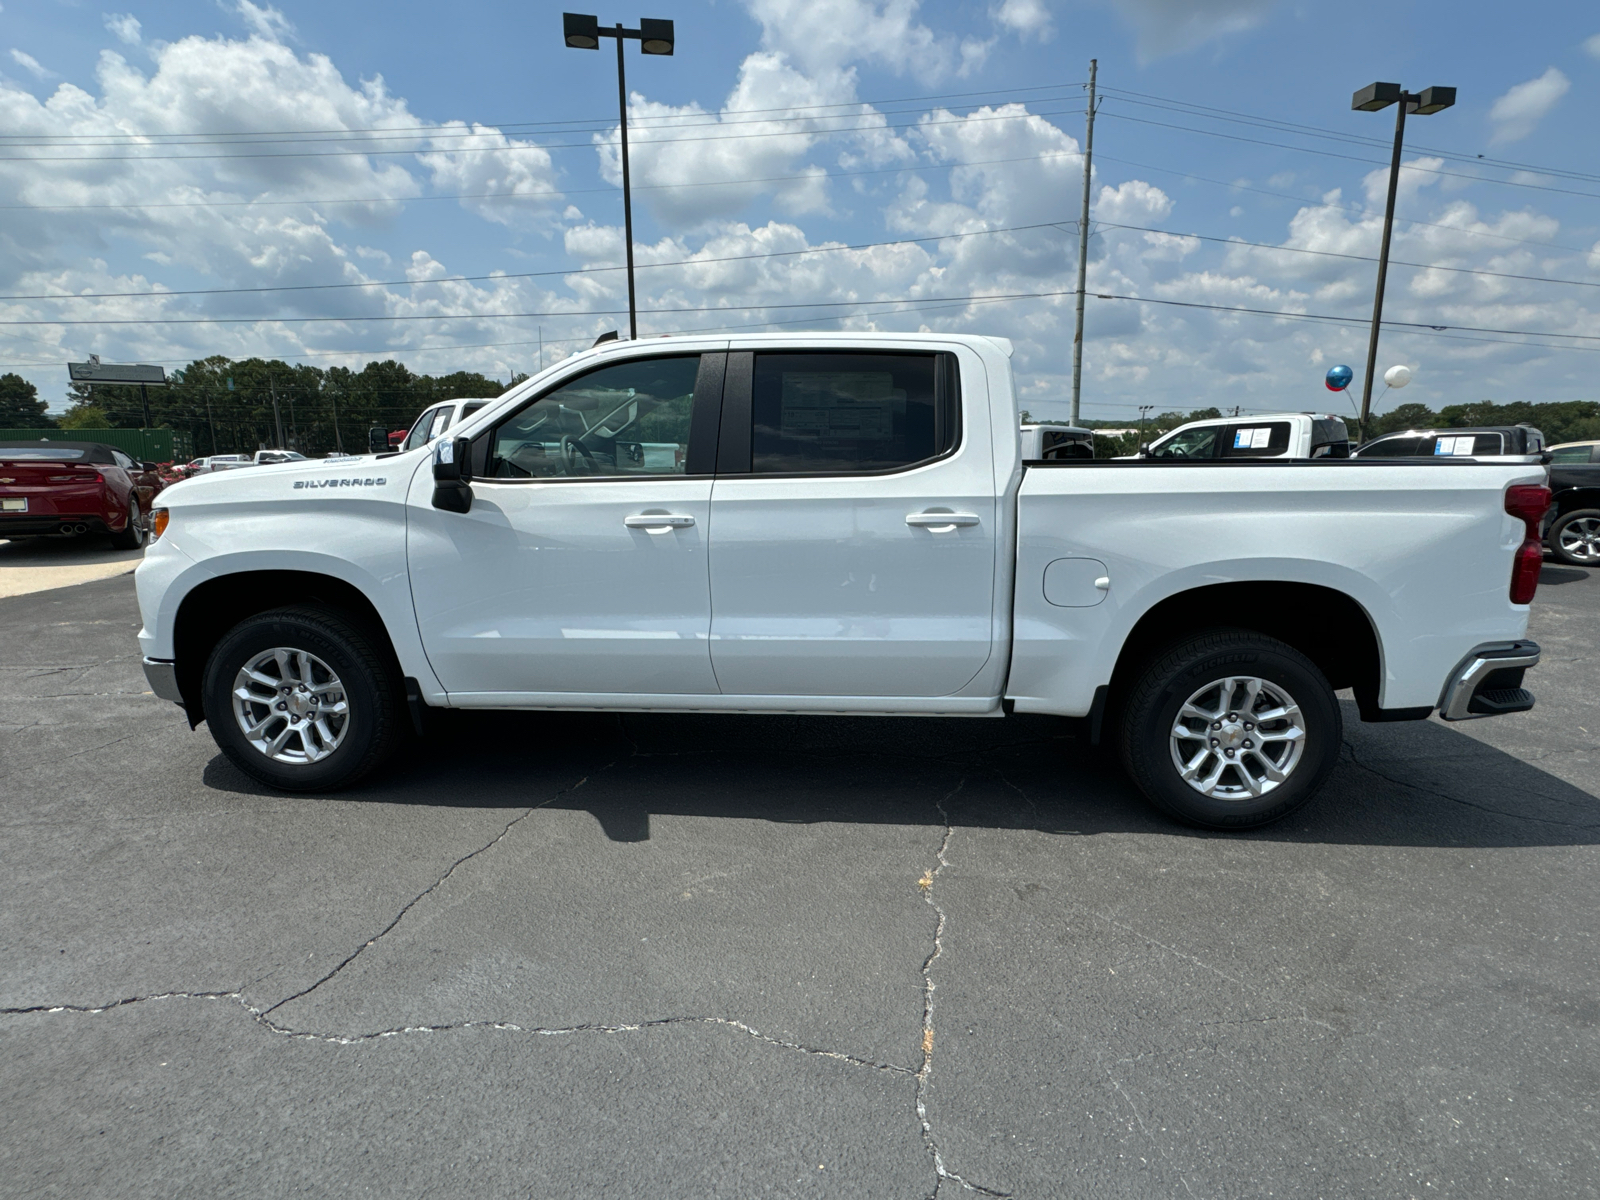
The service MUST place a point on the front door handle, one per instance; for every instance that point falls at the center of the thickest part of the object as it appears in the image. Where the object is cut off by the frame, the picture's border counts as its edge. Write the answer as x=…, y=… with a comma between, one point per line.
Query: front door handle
x=658, y=522
x=940, y=522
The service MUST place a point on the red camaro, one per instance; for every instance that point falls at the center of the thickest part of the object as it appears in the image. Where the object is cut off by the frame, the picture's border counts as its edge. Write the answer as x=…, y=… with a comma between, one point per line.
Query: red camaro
x=66, y=489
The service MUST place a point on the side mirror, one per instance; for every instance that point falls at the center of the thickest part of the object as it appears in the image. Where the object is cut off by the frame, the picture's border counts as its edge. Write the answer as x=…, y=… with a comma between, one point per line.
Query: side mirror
x=452, y=474
x=1144, y=450
x=144, y=466
x=377, y=440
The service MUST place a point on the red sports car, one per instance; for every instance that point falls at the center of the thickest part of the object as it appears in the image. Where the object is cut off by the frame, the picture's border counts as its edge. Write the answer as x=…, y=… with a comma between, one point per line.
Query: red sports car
x=68, y=489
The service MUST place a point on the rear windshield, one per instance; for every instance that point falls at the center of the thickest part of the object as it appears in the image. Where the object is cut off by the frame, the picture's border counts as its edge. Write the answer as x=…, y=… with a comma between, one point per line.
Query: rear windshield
x=1250, y=441
x=38, y=454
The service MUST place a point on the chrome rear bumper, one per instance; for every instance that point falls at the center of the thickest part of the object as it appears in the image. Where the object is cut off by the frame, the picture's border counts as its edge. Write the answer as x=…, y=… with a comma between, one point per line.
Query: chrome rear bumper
x=163, y=678
x=1488, y=682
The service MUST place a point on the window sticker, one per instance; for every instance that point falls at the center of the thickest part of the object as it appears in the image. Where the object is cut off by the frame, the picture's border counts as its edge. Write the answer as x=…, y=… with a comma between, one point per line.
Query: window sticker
x=1252, y=439
x=845, y=404
x=1454, y=446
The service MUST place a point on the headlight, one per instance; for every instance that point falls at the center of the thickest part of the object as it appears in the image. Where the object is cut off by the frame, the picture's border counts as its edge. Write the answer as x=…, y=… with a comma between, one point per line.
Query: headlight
x=158, y=521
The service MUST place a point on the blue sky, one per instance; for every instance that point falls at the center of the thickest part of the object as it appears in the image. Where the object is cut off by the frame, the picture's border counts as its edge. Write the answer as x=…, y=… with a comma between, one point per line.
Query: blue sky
x=944, y=139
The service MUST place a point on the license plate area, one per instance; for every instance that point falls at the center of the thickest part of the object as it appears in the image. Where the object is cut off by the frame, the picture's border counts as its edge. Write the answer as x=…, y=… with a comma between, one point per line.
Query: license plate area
x=13, y=504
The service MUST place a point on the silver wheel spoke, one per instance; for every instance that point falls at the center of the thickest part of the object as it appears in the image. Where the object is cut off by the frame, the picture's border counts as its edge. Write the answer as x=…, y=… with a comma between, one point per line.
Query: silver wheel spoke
x=305, y=720
x=1233, y=762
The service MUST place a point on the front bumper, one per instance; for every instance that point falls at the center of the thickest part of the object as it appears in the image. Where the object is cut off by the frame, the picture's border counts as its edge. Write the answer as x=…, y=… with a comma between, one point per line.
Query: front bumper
x=163, y=677
x=1488, y=682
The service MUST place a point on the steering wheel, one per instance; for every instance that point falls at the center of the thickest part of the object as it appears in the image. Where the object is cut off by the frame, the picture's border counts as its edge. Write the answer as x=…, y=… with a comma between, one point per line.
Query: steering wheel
x=571, y=449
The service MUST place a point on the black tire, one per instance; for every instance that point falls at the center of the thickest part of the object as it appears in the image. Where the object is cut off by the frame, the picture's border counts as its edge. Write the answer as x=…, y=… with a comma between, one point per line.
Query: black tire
x=1563, y=524
x=1180, y=673
x=369, y=681
x=132, y=535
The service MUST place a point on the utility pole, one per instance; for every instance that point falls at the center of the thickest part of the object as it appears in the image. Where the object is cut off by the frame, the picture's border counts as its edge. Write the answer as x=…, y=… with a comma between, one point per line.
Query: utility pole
x=338, y=442
x=277, y=416
x=1083, y=247
x=1143, y=408
x=211, y=421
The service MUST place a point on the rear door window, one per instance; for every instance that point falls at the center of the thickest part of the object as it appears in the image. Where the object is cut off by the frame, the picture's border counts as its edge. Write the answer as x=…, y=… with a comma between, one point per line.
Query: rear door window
x=1570, y=454
x=841, y=414
x=1266, y=440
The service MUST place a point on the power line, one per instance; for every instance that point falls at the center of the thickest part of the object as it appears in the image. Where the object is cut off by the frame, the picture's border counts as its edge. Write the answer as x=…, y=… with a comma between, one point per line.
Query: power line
x=1273, y=123
x=654, y=141
x=1235, y=137
x=684, y=262
x=582, y=121
x=1394, y=262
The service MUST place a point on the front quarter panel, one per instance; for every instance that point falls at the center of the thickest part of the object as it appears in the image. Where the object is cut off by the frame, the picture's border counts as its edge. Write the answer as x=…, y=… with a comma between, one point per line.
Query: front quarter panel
x=344, y=520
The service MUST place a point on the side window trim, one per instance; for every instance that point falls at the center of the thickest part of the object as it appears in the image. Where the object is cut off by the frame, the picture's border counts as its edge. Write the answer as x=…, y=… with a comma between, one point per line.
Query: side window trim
x=733, y=440
x=705, y=418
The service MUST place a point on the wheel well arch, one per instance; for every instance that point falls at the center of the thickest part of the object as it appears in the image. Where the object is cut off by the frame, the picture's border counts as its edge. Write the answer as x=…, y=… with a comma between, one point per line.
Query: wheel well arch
x=215, y=606
x=1326, y=625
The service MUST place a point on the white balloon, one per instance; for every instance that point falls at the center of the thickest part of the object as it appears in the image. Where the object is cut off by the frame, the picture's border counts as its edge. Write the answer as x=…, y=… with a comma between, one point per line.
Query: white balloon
x=1397, y=377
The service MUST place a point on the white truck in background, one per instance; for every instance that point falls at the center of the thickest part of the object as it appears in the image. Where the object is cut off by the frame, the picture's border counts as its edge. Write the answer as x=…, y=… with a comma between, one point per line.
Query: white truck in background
x=845, y=524
x=1272, y=435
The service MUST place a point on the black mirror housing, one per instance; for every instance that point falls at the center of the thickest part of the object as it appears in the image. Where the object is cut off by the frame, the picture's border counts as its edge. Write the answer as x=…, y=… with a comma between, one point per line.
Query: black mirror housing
x=452, y=474
x=377, y=440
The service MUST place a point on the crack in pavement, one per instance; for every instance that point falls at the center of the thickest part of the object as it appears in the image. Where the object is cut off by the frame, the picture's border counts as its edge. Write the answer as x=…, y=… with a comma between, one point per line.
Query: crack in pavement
x=259, y=1017
x=1499, y=812
x=465, y=858
x=941, y=1172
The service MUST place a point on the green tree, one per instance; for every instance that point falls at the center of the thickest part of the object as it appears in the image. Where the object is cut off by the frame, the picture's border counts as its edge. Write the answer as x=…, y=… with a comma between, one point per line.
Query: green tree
x=85, y=416
x=20, y=406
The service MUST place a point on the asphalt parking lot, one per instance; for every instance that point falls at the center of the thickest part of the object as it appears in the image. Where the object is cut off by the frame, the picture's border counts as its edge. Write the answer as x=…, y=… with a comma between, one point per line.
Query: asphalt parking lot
x=735, y=956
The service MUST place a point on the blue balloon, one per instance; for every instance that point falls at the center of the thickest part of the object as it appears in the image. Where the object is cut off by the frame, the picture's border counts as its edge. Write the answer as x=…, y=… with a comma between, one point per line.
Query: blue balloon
x=1339, y=378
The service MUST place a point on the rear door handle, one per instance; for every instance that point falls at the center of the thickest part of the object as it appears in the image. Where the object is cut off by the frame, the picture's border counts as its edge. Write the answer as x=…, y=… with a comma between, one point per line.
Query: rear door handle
x=940, y=522
x=658, y=522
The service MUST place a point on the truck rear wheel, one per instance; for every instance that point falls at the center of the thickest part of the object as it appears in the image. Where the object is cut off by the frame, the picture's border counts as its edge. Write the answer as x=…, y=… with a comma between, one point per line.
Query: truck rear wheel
x=1228, y=729
x=301, y=699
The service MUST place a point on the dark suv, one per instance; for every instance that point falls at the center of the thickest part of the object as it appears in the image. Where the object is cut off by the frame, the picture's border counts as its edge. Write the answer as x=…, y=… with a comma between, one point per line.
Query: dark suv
x=1487, y=441
x=1572, y=526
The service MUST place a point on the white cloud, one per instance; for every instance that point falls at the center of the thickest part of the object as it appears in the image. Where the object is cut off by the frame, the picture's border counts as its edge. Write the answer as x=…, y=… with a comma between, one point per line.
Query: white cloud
x=32, y=65
x=823, y=35
x=125, y=26
x=1171, y=26
x=264, y=20
x=1026, y=18
x=1516, y=113
x=1591, y=44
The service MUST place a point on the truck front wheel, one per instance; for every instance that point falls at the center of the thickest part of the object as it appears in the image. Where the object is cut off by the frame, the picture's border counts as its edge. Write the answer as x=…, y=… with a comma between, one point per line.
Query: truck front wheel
x=301, y=699
x=1228, y=729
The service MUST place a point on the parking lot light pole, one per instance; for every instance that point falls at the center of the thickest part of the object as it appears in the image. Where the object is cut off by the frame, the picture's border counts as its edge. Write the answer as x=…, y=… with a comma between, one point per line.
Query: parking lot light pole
x=1372, y=98
x=583, y=32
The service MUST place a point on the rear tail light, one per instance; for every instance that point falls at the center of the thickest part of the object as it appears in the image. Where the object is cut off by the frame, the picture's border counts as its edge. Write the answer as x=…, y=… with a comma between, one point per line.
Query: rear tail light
x=1528, y=503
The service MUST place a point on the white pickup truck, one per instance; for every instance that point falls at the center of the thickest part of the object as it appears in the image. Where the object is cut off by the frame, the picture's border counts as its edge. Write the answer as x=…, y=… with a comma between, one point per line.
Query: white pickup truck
x=838, y=523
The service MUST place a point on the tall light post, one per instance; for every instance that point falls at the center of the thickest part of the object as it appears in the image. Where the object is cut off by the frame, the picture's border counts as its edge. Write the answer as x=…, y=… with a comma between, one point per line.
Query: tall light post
x=583, y=32
x=1425, y=103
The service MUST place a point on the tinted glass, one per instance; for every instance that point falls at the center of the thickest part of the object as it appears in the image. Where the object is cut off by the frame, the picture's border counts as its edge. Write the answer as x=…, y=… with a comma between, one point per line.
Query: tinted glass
x=1570, y=454
x=834, y=414
x=628, y=419
x=419, y=432
x=1191, y=443
x=1256, y=441
x=29, y=454
x=1058, y=444
x=1462, y=445
x=1395, y=447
